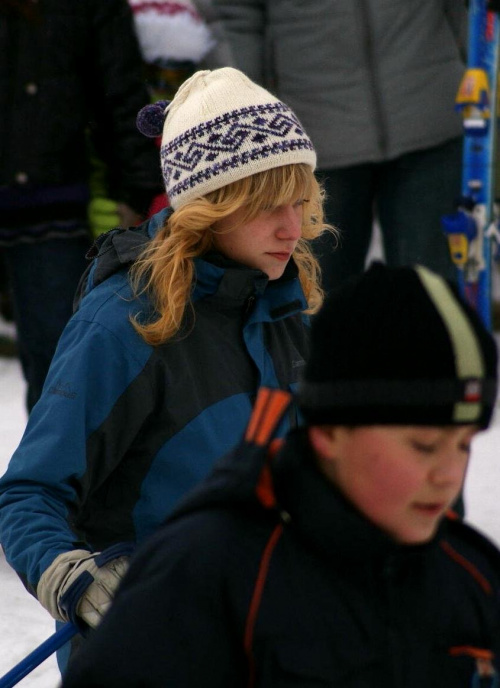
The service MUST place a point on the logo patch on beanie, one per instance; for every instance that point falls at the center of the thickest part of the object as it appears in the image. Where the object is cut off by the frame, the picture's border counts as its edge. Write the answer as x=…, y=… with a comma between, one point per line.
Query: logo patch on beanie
x=472, y=390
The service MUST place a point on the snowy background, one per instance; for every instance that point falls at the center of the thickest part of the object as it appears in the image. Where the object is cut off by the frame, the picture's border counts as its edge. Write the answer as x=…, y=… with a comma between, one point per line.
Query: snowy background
x=24, y=624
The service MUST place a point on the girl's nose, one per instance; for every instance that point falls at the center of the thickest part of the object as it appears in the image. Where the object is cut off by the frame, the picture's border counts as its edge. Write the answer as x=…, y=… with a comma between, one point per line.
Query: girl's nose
x=289, y=222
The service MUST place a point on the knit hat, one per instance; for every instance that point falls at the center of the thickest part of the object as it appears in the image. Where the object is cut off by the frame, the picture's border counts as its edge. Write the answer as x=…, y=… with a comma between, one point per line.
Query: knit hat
x=219, y=128
x=399, y=346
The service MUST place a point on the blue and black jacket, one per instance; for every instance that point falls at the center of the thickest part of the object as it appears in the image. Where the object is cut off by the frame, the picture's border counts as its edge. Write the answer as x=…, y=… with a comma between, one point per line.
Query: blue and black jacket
x=123, y=429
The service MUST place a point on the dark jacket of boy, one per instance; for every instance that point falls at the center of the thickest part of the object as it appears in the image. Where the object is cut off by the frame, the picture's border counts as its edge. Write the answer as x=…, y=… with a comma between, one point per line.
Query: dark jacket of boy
x=268, y=577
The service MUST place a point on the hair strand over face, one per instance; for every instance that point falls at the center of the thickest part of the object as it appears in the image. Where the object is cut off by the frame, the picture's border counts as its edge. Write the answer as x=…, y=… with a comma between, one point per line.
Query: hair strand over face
x=166, y=269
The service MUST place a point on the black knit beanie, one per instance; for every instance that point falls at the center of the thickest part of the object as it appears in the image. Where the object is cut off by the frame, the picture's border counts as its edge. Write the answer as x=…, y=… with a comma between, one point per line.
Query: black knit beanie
x=398, y=346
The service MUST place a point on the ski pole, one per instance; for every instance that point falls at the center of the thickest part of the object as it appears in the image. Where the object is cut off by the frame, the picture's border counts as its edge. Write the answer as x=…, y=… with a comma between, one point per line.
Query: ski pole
x=39, y=655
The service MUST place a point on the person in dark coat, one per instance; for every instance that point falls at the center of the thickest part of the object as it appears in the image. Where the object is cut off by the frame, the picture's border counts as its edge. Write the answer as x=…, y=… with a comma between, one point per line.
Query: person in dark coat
x=71, y=74
x=331, y=559
x=374, y=83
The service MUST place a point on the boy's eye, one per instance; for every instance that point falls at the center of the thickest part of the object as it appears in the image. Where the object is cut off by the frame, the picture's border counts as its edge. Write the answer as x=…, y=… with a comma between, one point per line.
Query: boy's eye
x=431, y=447
x=423, y=447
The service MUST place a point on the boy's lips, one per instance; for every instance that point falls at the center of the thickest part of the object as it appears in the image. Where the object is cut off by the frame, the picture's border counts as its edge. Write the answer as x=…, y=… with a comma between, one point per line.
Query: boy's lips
x=430, y=508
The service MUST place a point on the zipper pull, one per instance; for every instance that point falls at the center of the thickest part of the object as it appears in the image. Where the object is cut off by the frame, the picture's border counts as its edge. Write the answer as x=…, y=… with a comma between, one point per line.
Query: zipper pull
x=249, y=305
x=485, y=675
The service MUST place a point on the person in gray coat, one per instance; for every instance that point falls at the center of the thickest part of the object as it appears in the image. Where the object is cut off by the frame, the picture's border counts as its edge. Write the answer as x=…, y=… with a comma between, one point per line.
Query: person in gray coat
x=374, y=83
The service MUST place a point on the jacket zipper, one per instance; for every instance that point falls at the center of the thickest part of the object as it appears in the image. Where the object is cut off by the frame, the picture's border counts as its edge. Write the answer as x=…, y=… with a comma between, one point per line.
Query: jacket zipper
x=249, y=304
x=392, y=635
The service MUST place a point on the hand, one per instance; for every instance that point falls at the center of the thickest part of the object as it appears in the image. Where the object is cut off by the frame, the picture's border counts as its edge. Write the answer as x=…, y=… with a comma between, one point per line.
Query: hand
x=128, y=216
x=80, y=585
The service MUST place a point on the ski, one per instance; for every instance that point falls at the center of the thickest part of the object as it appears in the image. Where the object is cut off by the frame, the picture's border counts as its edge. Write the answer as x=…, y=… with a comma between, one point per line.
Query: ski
x=472, y=230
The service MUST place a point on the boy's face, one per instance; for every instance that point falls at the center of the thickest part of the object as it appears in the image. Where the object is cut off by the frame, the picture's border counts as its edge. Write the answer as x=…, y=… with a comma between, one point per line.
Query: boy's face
x=402, y=478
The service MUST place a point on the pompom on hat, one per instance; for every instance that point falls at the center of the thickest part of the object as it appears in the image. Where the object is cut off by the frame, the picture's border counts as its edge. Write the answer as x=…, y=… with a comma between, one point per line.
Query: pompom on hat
x=398, y=346
x=219, y=128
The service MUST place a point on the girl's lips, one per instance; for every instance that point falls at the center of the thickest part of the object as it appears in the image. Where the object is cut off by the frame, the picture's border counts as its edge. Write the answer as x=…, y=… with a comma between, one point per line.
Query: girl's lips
x=281, y=256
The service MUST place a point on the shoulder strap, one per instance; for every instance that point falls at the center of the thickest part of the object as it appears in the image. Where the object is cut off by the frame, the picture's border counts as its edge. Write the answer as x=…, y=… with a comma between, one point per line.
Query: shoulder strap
x=269, y=409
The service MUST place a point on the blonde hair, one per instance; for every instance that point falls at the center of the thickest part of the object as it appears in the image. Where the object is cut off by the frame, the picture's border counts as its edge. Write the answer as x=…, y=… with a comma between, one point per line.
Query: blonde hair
x=166, y=271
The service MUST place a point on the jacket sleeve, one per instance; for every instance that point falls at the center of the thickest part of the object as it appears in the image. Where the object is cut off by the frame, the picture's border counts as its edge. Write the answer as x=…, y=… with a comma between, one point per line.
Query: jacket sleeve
x=49, y=477
x=116, y=93
x=170, y=624
x=244, y=24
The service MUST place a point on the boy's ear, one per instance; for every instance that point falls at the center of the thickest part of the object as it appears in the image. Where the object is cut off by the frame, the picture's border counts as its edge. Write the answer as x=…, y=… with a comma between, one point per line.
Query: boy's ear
x=323, y=439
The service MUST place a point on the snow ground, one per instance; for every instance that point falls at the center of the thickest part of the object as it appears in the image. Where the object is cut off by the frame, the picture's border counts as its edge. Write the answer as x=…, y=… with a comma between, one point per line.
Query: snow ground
x=24, y=624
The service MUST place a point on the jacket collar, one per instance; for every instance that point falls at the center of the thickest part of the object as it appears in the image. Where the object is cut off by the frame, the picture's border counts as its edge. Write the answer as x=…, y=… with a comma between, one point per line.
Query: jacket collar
x=232, y=285
x=229, y=283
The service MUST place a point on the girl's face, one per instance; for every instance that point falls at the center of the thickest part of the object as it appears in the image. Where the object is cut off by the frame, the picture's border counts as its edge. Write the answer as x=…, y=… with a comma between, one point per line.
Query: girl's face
x=266, y=242
x=402, y=478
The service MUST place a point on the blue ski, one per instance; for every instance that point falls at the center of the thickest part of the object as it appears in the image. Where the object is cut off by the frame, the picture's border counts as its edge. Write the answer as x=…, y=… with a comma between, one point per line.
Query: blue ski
x=472, y=230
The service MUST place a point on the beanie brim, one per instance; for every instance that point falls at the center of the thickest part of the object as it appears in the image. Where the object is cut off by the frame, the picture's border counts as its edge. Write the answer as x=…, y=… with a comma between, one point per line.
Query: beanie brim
x=238, y=166
x=399, y=402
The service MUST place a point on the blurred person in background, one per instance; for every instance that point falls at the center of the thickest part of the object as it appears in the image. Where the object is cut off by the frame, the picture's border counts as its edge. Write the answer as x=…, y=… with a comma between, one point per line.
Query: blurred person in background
x=71, y=70
x=175, y=39
x=374, y=83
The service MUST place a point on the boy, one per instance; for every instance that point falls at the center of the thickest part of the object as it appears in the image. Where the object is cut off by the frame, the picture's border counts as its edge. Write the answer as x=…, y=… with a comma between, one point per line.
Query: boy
x=330, y=561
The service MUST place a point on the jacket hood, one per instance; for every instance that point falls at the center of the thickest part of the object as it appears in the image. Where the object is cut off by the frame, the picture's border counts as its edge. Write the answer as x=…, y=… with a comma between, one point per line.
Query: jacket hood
x=115, y=250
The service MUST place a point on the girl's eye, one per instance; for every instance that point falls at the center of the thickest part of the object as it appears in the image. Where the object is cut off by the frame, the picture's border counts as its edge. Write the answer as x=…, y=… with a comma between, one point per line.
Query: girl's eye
x=300, y=202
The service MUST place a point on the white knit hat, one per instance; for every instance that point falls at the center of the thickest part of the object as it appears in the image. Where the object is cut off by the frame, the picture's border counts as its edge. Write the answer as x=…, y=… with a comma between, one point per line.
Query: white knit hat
x=221, y=127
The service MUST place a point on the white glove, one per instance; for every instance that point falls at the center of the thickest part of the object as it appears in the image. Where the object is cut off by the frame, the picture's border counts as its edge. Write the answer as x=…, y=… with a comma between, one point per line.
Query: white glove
x=81, y=584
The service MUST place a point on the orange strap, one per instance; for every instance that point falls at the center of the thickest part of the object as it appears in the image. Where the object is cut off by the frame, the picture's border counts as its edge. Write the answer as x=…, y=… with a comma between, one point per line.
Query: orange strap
x=256, y=600
x=268, y=410
x=469, y=651
x=468, y=566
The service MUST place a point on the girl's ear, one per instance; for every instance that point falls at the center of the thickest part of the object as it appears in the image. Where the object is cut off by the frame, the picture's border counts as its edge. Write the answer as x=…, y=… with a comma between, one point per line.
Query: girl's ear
x=323, y=439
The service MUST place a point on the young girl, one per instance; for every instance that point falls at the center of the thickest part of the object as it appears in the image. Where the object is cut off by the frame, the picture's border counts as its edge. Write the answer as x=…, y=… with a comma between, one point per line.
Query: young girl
x=179, y=322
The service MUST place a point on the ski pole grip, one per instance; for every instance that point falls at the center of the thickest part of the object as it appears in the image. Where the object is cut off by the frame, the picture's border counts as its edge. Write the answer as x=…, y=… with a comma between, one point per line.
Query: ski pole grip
x=70, y=599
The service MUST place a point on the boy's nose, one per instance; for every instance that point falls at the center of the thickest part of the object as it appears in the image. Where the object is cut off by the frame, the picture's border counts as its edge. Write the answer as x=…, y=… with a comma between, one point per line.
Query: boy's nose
x=450, y=470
